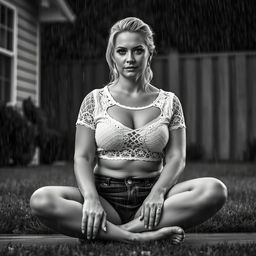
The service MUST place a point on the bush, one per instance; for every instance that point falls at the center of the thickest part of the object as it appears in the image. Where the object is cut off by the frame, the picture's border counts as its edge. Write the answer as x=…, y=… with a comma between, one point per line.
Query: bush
x=17, y=137
x=50, y=141
x=20, y=134
x=34, y=114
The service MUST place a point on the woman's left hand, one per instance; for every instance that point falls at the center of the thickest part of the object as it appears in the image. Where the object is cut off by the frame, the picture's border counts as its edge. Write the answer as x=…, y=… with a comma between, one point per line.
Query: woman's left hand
x=152, y=209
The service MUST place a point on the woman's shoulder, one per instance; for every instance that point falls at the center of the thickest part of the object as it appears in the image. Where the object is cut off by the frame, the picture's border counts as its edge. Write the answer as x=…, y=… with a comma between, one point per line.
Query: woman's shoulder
x=168, y=94
x=170, y=98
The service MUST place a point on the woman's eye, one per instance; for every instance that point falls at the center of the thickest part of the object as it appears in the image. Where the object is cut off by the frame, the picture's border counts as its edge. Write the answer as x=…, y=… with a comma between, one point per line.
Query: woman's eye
x=139, y=51
x=121, y=52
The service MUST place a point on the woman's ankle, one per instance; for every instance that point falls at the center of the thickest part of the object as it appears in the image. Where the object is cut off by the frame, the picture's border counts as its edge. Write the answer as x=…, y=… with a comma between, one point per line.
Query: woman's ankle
x=125, y=227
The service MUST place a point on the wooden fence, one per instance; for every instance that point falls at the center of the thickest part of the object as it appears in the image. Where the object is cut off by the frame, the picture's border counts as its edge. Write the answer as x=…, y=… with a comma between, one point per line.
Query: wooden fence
x=217, y=91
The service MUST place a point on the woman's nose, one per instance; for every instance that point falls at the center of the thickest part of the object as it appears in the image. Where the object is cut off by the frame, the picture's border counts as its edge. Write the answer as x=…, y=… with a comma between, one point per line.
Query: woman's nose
x=130, y=57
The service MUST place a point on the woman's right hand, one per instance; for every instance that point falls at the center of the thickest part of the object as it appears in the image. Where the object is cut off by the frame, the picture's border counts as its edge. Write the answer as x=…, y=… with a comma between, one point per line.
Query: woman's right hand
x=93, y=217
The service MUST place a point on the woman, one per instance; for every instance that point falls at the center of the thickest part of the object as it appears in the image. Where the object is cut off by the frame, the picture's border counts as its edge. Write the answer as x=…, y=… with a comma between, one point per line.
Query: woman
x=129, y=153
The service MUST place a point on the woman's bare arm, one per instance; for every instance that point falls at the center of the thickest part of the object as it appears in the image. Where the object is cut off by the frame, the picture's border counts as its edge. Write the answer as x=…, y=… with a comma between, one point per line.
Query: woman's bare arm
x=93, y=215
x=84, y=161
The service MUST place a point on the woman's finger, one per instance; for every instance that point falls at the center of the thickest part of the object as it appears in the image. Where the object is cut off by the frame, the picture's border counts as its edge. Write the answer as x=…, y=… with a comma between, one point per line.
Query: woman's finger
x=83, y=223
x=152, y=217
x=158, y=215
x=146, y=216
x=90, y=223
x=104, y=222
x=96, y=225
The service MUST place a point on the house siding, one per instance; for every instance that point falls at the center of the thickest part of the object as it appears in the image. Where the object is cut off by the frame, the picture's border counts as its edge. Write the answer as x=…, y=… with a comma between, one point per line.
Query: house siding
x=27, y=51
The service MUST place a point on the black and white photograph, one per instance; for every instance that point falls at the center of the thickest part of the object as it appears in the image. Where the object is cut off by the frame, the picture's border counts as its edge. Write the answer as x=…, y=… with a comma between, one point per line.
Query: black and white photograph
x=127, y=127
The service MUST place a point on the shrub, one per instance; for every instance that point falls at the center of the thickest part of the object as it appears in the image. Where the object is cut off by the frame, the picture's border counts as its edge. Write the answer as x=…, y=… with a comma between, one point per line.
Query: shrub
x=20, y=134
x=17, y=137
x=34, y=114
x=49, y=141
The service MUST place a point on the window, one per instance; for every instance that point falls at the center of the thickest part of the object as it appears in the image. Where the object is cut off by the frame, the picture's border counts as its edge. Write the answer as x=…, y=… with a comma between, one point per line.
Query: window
x=7, y=51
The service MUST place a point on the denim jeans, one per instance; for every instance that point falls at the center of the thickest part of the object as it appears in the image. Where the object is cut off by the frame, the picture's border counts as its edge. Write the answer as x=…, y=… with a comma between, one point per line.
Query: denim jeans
x=125, y=195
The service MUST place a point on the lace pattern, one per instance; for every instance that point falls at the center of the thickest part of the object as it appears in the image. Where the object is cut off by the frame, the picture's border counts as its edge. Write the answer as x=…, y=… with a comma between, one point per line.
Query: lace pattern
x=177, y=120
x=115, y=141
x=130, y=154
x=86, y=112
x=133, y=140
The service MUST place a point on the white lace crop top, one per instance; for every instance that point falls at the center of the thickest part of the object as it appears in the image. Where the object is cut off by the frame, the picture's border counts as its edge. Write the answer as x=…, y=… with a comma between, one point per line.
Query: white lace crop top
x=116, y=141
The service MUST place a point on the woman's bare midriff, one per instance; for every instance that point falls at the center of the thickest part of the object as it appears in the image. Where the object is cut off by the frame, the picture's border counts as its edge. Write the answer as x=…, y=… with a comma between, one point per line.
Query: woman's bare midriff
x=127, y=168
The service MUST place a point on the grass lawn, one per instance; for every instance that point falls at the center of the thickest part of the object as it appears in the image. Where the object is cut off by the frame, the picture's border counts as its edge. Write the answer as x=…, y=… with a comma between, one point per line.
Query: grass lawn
x=238, y=215
x=17, y=184
x=119, y=249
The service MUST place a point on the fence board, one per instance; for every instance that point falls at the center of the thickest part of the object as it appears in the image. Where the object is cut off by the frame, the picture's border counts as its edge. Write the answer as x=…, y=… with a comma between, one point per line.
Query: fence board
x=90, y=77
x=190, y=82
x=63, y=89
x=240, y=107
x=223, y=108
x=253, y=100
x=173, y=73
x=207, y=107
x=157, y=69
x=252, y=97
x=101, y=75
x=77, y=75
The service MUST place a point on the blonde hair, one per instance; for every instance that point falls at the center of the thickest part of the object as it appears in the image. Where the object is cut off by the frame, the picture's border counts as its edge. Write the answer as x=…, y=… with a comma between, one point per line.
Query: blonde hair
x=130, y=24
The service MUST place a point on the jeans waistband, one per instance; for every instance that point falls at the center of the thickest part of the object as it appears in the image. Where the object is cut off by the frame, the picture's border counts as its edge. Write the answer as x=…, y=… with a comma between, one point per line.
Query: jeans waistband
x=127, y=180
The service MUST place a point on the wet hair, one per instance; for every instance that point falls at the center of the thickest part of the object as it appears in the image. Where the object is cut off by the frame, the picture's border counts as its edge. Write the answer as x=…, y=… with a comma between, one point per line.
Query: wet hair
x=130, y=24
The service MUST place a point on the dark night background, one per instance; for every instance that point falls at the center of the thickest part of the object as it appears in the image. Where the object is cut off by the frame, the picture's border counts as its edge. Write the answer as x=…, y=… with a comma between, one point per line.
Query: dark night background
x=188, y=26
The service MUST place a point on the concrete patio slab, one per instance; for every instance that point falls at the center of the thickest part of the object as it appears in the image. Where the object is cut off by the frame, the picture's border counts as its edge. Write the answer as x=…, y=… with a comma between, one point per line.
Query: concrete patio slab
x=190, y=239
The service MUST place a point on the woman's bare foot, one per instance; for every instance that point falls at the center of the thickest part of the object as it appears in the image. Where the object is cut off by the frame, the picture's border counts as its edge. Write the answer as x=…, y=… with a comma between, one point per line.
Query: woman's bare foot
x=176, y=234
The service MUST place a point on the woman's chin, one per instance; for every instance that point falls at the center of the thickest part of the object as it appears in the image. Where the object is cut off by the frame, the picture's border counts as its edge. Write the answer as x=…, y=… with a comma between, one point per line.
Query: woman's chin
x=131, y=75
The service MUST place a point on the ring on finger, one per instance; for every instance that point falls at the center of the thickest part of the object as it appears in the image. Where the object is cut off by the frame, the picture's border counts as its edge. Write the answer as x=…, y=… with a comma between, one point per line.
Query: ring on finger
x=158, y=209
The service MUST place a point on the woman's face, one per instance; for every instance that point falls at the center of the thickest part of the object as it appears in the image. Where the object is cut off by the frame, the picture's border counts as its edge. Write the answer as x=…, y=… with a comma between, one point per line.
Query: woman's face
x=131, y=54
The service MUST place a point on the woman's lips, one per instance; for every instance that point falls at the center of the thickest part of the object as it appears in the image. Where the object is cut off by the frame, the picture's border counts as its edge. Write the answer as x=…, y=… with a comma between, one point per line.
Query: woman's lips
x=130, y=68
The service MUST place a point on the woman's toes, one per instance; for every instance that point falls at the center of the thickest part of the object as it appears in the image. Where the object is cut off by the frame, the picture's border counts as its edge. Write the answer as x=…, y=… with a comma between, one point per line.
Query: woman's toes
x=177, y=229
x=175, y=233
x=176, y=241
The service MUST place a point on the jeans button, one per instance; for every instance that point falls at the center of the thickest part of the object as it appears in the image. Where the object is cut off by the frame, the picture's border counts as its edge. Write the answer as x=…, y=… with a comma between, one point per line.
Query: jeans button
x=129, y=182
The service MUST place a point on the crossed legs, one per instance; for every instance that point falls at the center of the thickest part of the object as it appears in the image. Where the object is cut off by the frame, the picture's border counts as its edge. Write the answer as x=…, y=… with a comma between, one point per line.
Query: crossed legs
x=187, y=204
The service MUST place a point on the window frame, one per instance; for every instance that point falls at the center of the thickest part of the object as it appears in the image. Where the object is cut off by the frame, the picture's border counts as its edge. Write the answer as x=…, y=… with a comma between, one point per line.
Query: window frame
x=12, y=54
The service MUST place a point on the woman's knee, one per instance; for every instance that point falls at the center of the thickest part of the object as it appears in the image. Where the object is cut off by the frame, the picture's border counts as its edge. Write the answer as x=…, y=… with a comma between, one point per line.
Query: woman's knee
x=214, y=193
x=43, y=202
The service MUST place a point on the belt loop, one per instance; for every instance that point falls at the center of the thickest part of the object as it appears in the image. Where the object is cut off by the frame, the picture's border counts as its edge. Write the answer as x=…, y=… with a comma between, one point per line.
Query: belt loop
x=108, y=180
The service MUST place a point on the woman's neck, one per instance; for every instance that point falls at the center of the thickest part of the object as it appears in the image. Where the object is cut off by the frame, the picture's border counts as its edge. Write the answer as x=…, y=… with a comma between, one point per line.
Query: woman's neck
x=130, y=86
